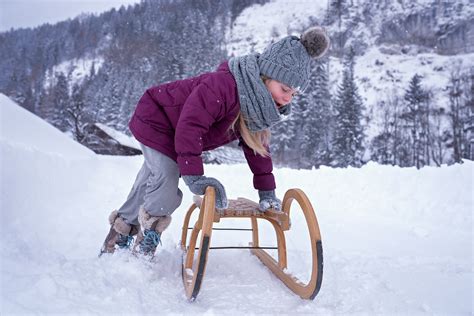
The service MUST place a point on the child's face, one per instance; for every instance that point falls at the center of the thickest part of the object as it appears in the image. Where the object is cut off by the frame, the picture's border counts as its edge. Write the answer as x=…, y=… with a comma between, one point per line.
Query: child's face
x=281, y=93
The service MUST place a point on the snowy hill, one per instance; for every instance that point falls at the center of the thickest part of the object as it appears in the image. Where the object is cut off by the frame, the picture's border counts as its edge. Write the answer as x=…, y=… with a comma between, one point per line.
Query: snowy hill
x=20, y=128
x=426, y=25
x=396, y=241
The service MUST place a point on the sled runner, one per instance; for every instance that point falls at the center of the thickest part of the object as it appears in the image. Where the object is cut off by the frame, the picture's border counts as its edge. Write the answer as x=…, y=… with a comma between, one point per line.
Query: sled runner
x=193, y=269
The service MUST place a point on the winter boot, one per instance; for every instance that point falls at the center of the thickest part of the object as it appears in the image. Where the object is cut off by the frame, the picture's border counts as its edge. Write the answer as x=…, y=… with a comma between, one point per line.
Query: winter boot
x=120, y=234
x=149, y=235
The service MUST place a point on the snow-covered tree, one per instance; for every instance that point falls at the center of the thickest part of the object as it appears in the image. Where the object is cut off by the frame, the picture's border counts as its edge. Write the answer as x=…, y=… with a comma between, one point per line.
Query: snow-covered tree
x=415, y=116
x=316, y=118
x=347, y=143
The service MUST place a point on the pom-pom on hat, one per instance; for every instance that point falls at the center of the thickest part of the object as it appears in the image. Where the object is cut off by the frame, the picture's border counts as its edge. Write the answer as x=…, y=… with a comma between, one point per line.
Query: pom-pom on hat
x=288, y=59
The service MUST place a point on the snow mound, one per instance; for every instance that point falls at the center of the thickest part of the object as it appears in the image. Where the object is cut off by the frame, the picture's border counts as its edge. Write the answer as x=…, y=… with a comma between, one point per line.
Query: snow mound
x=20, y=128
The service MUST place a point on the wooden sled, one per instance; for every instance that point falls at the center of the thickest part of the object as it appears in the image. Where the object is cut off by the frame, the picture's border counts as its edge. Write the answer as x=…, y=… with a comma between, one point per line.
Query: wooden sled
x=193, y=269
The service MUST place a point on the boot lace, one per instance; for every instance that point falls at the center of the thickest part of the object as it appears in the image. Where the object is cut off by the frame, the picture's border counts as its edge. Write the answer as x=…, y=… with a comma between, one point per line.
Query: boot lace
x=124, y=241
x=150, y=241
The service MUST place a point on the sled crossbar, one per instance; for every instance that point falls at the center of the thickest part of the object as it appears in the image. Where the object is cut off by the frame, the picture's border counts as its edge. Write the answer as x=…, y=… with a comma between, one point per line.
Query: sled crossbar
x=193, y=269
x=238, y=247
x=216, y=228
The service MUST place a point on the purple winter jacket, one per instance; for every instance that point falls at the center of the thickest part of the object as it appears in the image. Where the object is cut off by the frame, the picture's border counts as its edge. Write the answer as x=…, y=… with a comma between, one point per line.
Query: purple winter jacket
x=183, y=118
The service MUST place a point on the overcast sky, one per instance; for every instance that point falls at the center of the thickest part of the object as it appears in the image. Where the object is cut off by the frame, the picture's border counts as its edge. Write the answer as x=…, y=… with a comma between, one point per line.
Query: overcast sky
x=31, y=13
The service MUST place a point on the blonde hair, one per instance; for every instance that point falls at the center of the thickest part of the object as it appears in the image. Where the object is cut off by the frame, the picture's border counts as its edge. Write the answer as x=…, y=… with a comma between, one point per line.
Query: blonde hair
x=258, y=141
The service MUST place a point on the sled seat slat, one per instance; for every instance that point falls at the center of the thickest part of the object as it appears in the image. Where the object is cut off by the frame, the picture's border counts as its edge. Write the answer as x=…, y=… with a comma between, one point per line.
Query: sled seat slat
x=242, y=207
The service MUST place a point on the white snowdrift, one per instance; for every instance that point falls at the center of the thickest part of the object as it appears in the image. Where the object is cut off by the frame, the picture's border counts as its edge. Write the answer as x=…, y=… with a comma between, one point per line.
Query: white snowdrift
x=396, y=241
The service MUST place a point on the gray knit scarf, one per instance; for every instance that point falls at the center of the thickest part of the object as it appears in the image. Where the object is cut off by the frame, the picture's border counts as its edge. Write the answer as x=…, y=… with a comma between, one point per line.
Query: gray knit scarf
x=256, y=103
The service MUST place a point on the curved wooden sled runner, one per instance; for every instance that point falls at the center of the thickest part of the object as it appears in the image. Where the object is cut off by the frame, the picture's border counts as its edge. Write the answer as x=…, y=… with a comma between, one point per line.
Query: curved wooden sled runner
x=193, y=270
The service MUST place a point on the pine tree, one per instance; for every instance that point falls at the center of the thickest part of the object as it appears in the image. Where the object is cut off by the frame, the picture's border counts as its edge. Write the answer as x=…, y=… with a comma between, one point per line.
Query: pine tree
x=116, y=97
x=110, y=100
x=347, y=144
x=416, y=122
x=316, y=118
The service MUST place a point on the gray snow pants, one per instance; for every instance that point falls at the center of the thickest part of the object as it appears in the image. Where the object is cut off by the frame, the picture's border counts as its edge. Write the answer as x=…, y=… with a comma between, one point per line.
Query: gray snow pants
x=156, y=188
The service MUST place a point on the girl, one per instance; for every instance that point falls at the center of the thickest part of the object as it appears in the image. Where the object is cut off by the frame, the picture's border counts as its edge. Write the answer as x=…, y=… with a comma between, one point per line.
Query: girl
x=175, y=122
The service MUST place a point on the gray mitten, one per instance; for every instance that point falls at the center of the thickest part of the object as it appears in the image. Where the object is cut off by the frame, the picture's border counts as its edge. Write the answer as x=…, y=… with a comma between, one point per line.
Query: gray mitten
x=268, y=200
x=198, y=185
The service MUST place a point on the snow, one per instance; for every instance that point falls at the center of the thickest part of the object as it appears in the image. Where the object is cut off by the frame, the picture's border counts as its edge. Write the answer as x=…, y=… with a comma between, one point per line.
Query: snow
x=19, y=128
x=396, y=241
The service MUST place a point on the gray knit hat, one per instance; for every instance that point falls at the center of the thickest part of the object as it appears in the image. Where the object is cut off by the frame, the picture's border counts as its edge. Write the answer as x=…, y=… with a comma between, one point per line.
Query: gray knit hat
x=288, y=59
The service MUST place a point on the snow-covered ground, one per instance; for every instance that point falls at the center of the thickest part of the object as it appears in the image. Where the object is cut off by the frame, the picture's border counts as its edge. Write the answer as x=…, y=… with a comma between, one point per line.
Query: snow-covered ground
x=396, y=241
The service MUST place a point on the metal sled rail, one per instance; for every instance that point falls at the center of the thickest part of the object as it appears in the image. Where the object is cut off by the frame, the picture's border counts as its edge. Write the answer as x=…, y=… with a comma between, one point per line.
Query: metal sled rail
x=193, y=270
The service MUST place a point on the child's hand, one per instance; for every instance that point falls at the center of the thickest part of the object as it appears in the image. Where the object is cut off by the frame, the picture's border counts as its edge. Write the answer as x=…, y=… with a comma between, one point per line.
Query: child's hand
x=198, y=185
x=269, y=200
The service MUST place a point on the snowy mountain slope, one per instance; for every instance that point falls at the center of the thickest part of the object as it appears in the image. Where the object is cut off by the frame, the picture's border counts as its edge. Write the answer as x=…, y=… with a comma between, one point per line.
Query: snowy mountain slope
x=396, y=241
x=76, y=69
x=380, y=76
x=383, y=67
x=367, y=23
x=255, y=27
